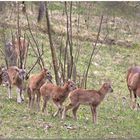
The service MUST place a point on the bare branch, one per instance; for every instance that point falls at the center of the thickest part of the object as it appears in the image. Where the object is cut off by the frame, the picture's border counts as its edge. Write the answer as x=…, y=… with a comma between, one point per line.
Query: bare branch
x=27, y=75
x=38, y=51
x=4, y=42
x=18, y=37
x=34, y=51
x=94, y=47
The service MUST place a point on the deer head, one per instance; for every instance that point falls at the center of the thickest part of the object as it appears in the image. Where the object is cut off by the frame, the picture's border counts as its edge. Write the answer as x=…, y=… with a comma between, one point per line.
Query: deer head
x=107, y=87
x=71, y=85
x=22, y=74
x=47, y=74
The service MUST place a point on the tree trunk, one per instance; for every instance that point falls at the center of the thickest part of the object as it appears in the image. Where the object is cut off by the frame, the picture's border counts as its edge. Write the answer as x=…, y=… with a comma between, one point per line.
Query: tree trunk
x=53, y=51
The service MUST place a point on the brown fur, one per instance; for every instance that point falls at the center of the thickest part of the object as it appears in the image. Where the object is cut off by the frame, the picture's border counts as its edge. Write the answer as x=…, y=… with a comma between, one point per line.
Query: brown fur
x=87, y=97
x=14, y=77
x=133, y=84
x=22, y=47
x=17, y=51
x=35, y=82
x=56, y=93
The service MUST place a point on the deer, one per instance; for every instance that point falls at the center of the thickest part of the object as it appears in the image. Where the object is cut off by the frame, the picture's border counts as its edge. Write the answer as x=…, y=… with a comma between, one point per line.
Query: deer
x=14, y=76
x=34, y=84
x=57, y=94
x=16, y=51
x=93, y=98
x=133, y=84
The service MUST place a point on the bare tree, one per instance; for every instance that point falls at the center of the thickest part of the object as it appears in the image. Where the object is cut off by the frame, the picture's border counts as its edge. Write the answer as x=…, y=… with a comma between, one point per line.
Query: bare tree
x=68, y=57
x=53, y=51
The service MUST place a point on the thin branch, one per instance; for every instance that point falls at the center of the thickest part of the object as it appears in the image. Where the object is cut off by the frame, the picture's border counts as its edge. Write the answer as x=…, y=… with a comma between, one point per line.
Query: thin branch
x=27, y=75
x=18, y=37
x=94, y=47
x=34, y=40
x=66, y=57
x=4, y=42
x=34, y=50
x=70, y=42
x=26, y=55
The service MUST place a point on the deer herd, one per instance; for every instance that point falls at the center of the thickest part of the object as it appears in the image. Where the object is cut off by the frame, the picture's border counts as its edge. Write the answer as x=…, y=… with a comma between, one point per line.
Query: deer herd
x=40, y=86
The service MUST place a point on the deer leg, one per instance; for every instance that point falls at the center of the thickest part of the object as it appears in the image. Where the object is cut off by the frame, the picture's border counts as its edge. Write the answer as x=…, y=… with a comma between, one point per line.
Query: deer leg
x=32, y=100
x=45, y=100
x=29, y=95
x=91, y=107
x=29, y=105
x=60, y=113
x=131, y=97
x=38, y=102
x=94, y=114
x=59, y=108
x=74, y=110
x=66, y=109
x=135, y=100
x=9, y=92
x=19, y=100
x=22, y=95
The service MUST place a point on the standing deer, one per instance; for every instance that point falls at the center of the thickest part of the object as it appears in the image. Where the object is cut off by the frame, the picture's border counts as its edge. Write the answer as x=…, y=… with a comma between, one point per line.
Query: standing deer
x=57, y=94
x=16, y=51
x=13, y=76
x=87, y=97
x=35, y=82
x=133, y=84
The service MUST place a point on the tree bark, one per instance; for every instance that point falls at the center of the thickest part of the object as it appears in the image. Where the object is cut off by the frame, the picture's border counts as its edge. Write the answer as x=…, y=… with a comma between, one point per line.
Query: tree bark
x=53, y=51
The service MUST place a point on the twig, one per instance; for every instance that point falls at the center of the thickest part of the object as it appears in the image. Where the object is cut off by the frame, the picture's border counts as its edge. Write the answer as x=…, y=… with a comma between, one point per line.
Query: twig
x=34, y=40
x=94, y=47
x=4, y=40
x=27, y=75
x=34, y=50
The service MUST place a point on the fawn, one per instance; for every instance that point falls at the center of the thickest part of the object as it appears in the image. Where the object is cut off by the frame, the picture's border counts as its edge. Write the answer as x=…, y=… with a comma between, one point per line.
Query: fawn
x=133, y=84
x=87, y=97
x=56, y=93
x=35, y=82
